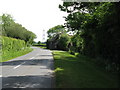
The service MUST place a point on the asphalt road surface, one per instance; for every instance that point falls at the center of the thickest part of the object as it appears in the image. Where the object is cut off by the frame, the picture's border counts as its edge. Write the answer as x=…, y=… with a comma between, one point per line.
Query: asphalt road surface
x=33, y=70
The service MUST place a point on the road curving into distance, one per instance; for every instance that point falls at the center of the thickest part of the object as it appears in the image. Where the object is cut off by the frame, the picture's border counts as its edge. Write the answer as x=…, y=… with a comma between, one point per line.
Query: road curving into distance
x=33, y=70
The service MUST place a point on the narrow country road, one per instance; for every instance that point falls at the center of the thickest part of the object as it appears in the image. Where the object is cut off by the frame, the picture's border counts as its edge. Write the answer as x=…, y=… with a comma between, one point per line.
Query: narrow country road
x=33, y=70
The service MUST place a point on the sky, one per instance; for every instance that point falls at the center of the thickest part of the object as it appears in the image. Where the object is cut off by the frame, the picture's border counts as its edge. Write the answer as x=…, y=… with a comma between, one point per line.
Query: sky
x=34, y=15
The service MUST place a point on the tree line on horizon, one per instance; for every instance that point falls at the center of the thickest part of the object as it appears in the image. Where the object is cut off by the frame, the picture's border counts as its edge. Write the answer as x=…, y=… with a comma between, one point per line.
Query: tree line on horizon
x=15, y=30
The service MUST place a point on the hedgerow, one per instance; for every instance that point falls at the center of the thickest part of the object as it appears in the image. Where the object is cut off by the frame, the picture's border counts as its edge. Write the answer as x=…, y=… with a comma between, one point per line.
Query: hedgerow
x=12, y=44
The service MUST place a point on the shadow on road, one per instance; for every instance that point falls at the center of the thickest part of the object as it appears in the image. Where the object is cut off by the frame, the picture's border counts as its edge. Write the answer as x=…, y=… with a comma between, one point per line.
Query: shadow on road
x=39, y=62
x=28, y=81
x=44, y=81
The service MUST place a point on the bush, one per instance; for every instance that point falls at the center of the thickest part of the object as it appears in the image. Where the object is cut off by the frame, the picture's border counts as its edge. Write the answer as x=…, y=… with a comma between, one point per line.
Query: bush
x=63, y=42
x=11, y=44
x=39, y=42
x=77, y=42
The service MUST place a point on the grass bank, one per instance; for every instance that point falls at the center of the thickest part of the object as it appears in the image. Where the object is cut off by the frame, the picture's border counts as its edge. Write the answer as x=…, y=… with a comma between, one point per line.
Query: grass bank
x=74, y=72
x=12, y=54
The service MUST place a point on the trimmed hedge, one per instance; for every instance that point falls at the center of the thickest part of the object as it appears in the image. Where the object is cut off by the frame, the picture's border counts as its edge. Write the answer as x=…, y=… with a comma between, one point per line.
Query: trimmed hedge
x=12, y=44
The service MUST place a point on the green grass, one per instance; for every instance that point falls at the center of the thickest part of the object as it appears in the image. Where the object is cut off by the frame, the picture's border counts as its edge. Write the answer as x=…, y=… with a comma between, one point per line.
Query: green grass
x=12, y=54
x=44, y=47
x=41, y=45
x=74, y=72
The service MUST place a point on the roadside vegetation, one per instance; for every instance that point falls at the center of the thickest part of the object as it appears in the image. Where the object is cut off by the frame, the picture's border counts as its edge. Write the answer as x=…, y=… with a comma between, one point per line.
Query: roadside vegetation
x=12, y=54
x=12, y=48
x=15, y=30
x=72, y=71
x=15, y=40
x=91, y=30
x=39, y=44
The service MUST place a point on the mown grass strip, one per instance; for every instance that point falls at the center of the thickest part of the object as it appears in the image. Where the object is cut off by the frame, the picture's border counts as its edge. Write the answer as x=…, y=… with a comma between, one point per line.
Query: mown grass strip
x=74, y=72
x=13, y=54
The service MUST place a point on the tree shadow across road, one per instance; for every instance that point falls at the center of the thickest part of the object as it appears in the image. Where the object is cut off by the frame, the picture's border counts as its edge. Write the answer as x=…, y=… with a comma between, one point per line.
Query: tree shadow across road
x=41, y=81
x=37, y=62
x=22, y=81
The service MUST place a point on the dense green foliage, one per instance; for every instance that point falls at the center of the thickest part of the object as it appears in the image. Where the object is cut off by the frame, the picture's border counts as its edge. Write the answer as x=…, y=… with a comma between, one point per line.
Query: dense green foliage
x=77, y=43
x=9, y=44
x=12, y=47
x=58, y=39
x=14, y=38
x=98, y=27
x=63, y=42
x=15, y=30
x=52, y=32
x=74, y=72
x=39, y=42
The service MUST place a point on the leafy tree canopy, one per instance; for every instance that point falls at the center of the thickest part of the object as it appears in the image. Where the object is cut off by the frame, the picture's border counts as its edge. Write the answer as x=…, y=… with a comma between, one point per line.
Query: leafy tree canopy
x=15, y=30
x=55, y=30
x=99, y=26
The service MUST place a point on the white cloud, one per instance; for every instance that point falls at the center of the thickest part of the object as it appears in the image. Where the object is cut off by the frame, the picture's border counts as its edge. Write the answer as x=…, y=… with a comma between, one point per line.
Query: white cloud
x=35, y=15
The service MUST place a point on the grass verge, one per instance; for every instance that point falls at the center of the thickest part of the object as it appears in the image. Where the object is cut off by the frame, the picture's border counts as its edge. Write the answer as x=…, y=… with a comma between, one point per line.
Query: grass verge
x=12, y=54
x=41, y=46
x=74, y=72
x=44, y=47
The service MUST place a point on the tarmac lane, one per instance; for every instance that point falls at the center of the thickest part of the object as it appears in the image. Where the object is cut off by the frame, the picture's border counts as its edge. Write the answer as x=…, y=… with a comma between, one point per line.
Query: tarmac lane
x=33, y=70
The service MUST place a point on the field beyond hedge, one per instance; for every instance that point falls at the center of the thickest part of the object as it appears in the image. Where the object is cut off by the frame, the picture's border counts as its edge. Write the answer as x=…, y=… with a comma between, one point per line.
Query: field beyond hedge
x=80, y=72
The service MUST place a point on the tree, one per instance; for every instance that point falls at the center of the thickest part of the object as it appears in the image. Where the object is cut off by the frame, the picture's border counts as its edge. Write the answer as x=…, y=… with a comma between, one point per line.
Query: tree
x=58, y=39
x=63, y=42
x=77, y=42
x=0, y=25
x=55, y=30
x=6, y=22
x=15, y=30
x=39, y=42
x=99, y=27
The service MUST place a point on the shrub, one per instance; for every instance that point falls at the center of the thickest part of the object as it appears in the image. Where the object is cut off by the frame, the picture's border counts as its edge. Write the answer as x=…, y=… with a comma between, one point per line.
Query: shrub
x=11, y=44
x=63, y=42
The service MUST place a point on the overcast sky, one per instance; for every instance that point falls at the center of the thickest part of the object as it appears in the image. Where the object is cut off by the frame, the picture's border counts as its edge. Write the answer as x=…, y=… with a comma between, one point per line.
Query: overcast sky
x=34, y=15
